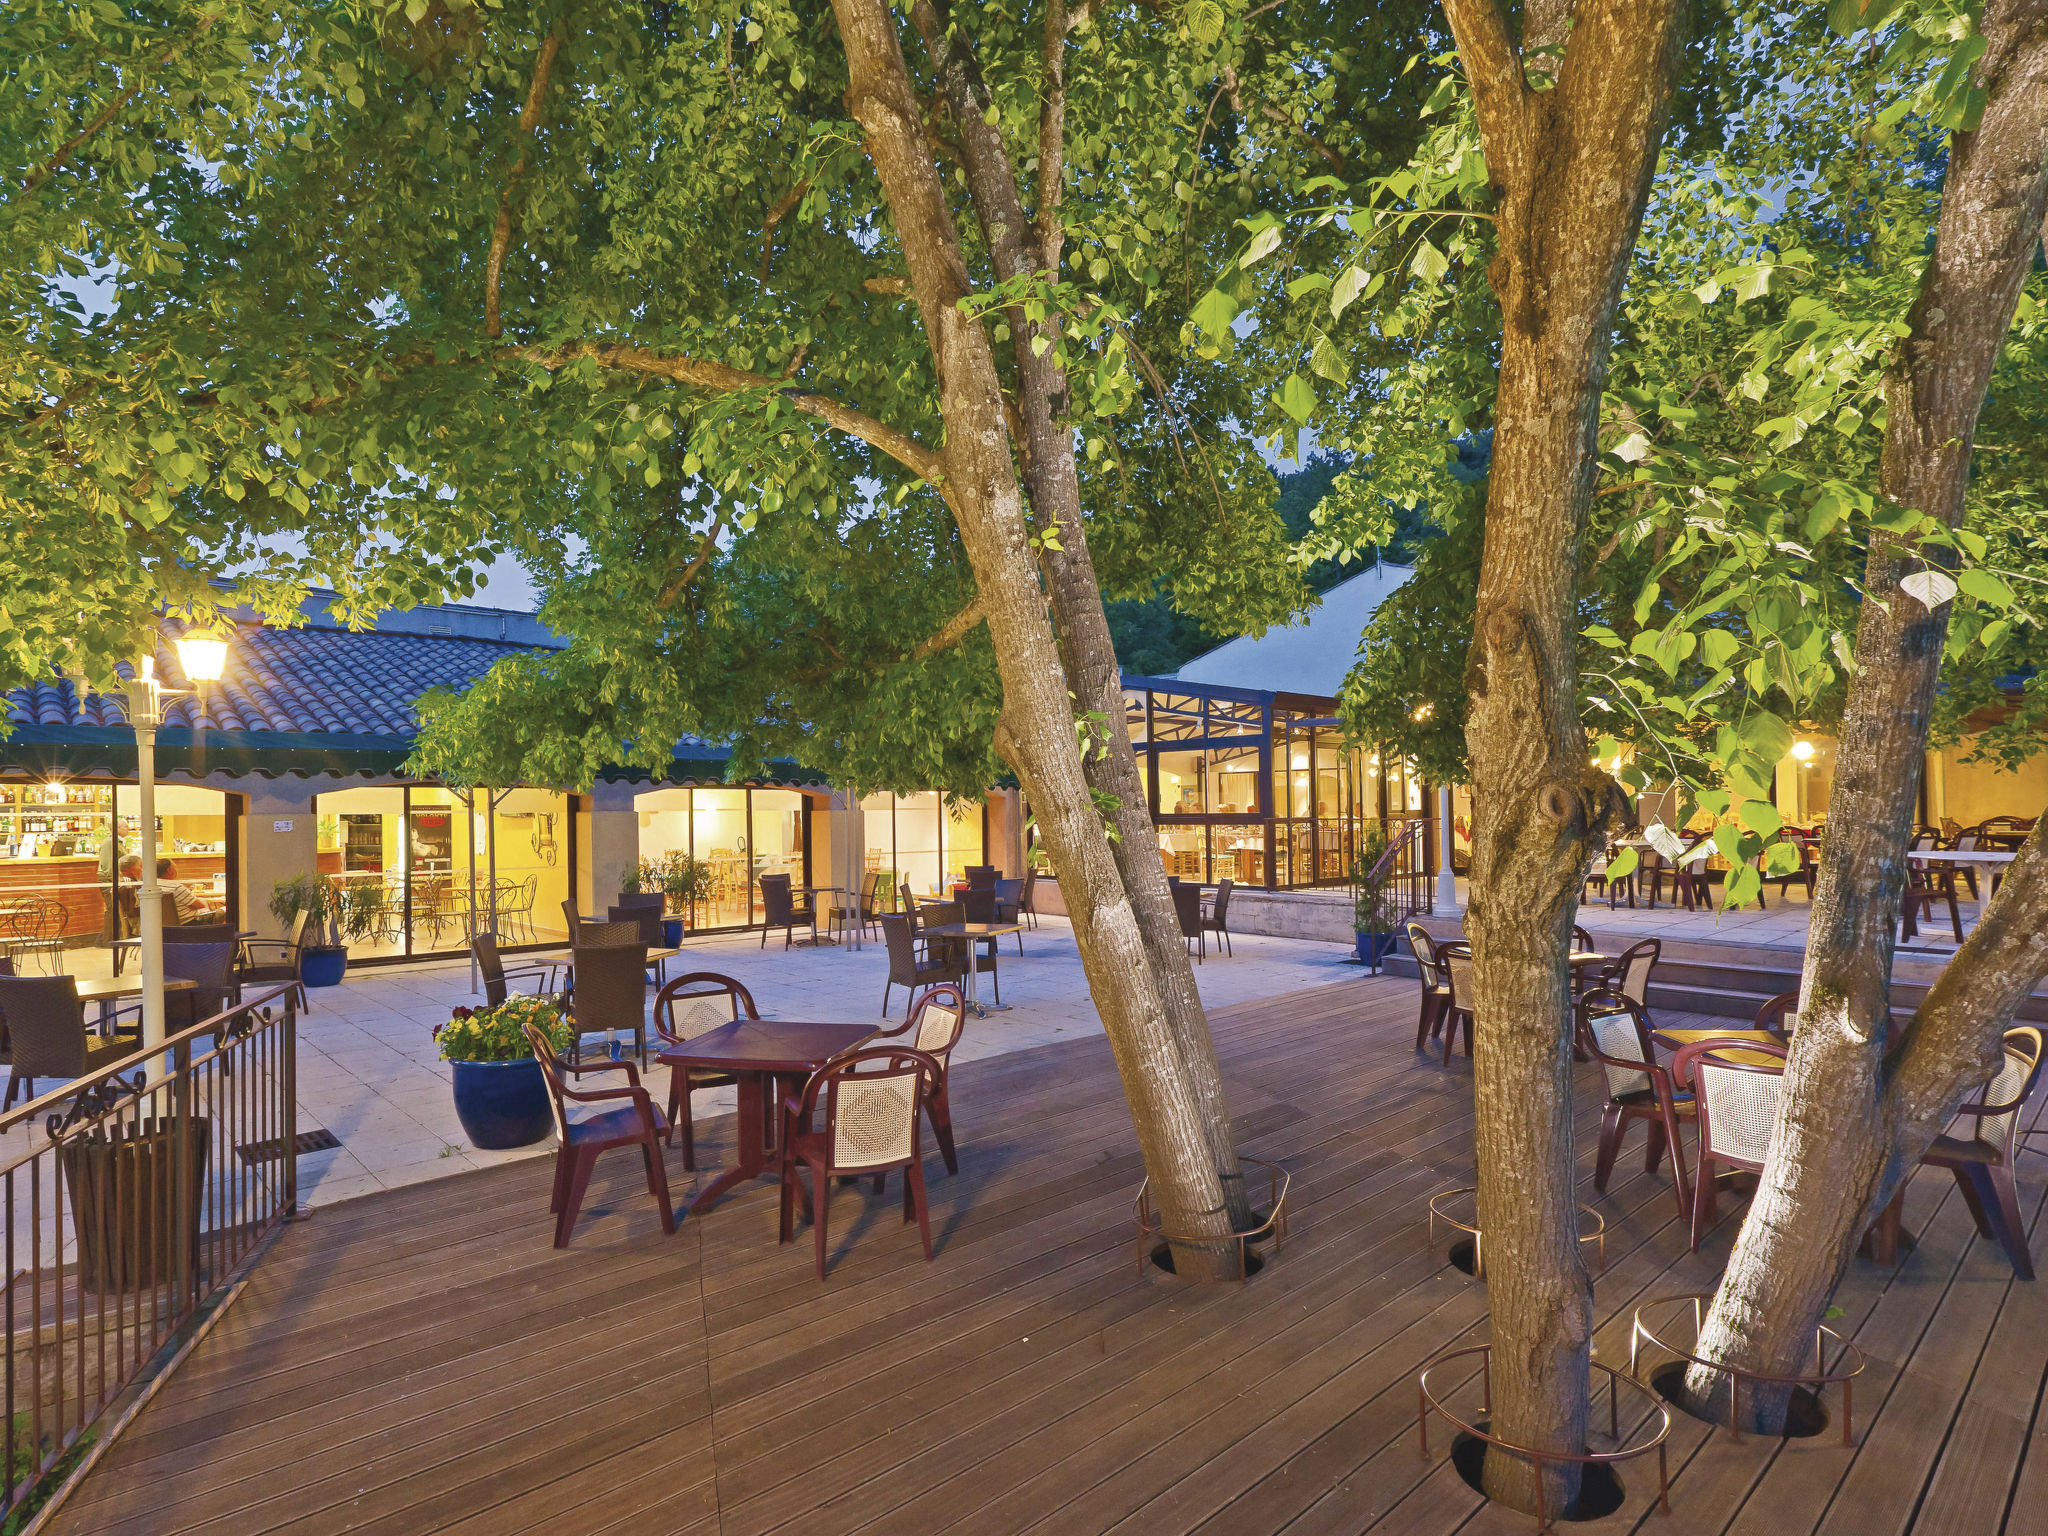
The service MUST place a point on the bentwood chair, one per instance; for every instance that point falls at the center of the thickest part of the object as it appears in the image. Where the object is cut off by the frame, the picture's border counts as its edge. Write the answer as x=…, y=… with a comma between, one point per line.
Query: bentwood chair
x=870, y=1101
x=46, y=1034
x=497, y=975
x=1983, y=1162
x=581, y=1133
x=684, y=1009
x=608, y=994
x=779, y=910
x=1631, y=970
x=1735, y=1097
x=1455, y=968
x=1217, y=919
x=934, y=1024
x=905, y=969
x=1779, y=1015
x=1615, y=1032
x=1436, y=991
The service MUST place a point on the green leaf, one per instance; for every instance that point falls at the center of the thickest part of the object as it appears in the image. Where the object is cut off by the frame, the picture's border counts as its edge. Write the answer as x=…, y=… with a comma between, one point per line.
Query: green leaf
x=1350, y=283
x=1264, y=243
x=1623, y=864
x=1764, y=734
x=1728, y=841
x=1744, y=884
x=1429, y=264
x=1297, y=397
x=1985, y=587
x=1719, y=647
x=1214, y=311
x=1760, y=816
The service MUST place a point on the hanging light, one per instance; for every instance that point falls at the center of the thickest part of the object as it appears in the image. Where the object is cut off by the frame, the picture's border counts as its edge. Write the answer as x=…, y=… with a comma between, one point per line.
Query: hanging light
x=204, y=657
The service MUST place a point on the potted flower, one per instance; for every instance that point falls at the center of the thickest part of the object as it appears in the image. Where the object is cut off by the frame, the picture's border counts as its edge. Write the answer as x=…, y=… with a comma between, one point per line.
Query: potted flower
x=1372, y=910
x=500, y=1096
x=339, y=913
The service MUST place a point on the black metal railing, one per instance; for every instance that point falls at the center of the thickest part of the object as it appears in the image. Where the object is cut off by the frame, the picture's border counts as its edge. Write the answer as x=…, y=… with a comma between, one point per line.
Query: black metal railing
x=1403, y=872
x=132, y=1198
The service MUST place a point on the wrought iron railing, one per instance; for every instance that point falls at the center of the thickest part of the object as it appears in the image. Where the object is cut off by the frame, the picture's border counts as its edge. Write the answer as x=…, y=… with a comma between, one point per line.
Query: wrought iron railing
x=131, y=1205
x=1403, y=871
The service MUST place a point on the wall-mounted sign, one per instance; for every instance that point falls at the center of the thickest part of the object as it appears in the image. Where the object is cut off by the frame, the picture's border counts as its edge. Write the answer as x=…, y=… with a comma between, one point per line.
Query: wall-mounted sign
x=280, y=826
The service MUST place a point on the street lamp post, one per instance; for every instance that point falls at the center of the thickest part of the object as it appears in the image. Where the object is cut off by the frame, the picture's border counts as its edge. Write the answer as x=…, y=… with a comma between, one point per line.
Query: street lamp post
x=203, y=659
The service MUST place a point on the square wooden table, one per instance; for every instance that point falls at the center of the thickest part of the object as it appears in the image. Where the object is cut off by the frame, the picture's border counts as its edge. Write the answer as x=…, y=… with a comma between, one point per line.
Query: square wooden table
x=971, y=932
x=759, y=1054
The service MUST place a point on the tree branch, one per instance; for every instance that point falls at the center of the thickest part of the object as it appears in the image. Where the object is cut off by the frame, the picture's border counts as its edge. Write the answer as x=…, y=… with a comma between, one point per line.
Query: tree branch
x=689, y=572
x=1495, y=70
x=106, y=115
x=680, y=369
x=501, y=232
x=951, y=633
x=776, y=215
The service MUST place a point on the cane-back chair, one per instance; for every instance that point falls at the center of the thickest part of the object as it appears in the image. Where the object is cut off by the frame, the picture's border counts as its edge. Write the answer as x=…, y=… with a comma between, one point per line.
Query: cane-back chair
x=1983, y=1162
x=870, y=1101
x=935, y=1021
x=1735, y=1086
x=684, y=1009
x=1615, y=1032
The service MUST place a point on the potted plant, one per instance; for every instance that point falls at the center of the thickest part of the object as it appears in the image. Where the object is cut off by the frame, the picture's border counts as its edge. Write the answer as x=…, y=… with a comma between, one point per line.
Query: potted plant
x=685, y=881
x=1372, y=911
x=338, y=914
x=500, y=1096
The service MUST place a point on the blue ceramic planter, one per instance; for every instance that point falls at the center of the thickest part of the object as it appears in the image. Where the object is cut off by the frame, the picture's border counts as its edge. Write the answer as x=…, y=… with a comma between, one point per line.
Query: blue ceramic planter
x=1374, y=947
x=323, y=965
x=672, y=932
x=501, y=1103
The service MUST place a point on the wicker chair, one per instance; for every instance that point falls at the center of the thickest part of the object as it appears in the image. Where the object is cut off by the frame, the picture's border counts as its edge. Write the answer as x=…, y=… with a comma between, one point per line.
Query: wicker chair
x=1630, y=973
x=211, y=970
x=1010, y=907
x=957, y=954
x=646, y=910
x=1983, y=1163
x=1463, y=989
x=779, y=910
x=1615, y=1032
x=934, y=1023
x=981, y=877
x=1187, y=906
x=870, y=1101
x=46, y=1034
x=1217, y=919
x=905, y=969
x=1735, y=1105
x=608, y=992
x=1024, y=902
x=1436, y=991
x=684, y=1009
x=580, y=1136
x=285, y=969
x=497, y=974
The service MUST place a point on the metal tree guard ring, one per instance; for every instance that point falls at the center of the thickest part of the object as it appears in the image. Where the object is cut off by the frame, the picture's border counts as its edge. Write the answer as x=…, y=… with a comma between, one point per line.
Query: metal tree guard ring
x=1597, y=1235
x=1640, y=1333
x=1274, y=1226
x=1430, y=1403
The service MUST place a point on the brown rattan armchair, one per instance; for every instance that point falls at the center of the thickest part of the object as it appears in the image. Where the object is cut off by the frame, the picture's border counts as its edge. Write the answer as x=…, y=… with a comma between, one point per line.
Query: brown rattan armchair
x=608, y=993
x=498, y=976
x=905, y=968
x=779, y=910
x=46, y=1034
x=281, y=965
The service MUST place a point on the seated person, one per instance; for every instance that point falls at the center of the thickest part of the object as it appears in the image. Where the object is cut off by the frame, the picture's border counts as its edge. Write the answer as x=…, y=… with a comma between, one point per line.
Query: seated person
x=181, y=894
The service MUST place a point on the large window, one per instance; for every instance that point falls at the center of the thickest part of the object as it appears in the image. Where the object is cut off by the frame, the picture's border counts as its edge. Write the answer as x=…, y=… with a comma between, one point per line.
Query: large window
x=64, y=852
x=439, y=864
x=923, y=842
x=738, y=835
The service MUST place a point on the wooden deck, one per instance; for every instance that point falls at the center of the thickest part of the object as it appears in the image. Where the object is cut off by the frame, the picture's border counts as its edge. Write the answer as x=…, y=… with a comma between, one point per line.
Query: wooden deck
x=423, y=1362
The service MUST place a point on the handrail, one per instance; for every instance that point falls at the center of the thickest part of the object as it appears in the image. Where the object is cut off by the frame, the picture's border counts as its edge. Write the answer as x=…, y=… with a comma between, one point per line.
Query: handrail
x=1402, y=871
x=137, y=1202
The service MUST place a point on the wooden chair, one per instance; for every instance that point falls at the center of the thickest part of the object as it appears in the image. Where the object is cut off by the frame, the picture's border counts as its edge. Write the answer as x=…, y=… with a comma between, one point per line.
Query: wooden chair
x=905, y=969
x=282, y=971
x=779, y=910
x=1614, y=1031
x=1735, y=1107
x=608, y=993
x=1187, y=907
x=46, y=1034
x=1436, y=991
x=1983, y=1163
x=870, y=1100
x=684, y=1009
x=1462, y=987
x=933, y=1023
x=581, y=1136
x=1217, y=919
x=1630, y=971
x=497, y=974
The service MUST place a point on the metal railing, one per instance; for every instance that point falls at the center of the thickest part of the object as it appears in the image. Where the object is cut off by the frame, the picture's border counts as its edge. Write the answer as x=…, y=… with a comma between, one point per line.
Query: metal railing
x=131, y=1205
x=1403, y=871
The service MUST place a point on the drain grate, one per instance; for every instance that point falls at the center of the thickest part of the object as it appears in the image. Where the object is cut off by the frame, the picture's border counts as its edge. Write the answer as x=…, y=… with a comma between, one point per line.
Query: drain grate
x=306, y=1141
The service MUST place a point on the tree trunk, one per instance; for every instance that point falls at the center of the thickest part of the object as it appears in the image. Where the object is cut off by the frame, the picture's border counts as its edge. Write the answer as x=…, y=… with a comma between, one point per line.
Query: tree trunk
x=1857, y=1108
x=1020, y=245
x=1174, y=1117
x=1572, y=165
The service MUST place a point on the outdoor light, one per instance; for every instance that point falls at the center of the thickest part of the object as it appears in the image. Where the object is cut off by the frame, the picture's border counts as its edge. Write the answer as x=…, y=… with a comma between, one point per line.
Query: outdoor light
x=204, y=657
x=1803, y=750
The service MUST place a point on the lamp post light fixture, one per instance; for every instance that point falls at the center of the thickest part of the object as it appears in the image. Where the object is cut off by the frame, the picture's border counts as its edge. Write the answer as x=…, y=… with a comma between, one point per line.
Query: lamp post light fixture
x=203, y=658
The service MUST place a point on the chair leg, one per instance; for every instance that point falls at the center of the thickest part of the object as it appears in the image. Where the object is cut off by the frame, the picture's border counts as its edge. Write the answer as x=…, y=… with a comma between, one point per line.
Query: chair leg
x=940, y=1114
x=821, y=1194
x=1611, y=1127
x=657, y=1181
x=1973, y=1201
x=572, y=1197
x=1702, y=1200
x=561, y=1184
x=913, y=1184
x=1678, y=1176
x=2012, y=1227
x=1653, y=1149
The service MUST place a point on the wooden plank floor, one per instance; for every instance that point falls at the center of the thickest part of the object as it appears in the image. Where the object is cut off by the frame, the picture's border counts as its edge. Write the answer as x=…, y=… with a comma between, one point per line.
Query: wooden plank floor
x=422, y=1361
